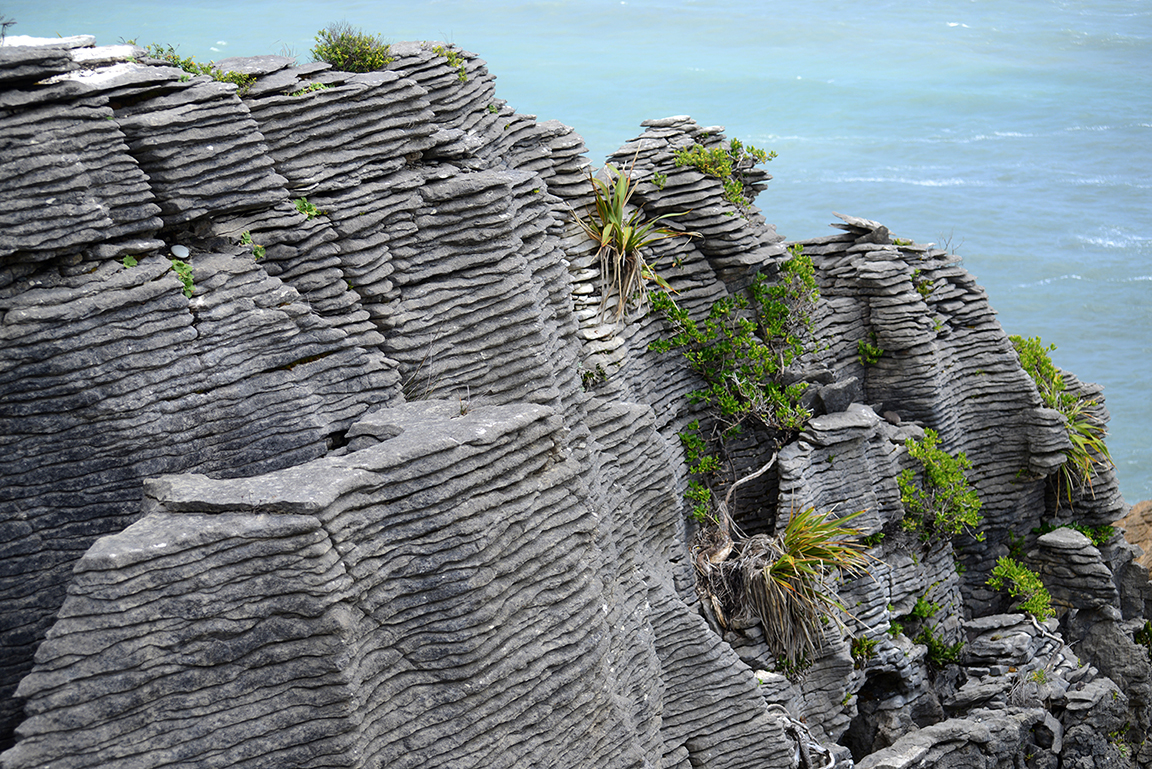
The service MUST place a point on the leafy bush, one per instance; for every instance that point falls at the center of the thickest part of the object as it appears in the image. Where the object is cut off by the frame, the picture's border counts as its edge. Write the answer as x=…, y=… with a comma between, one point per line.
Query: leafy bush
x=183, y=271
x=939, y=653
x=924, y=608
x=188, y=64
x=923, y=285
x=1085, y=431
x=741, y=351
x=728, y=164
x=867, y=353
x=455, y=60
x=1023, y=583
x=308, y=209
x=862, y=649
x=945, y=504
x=350, y=49
x=1036, y=362
x=620, y=236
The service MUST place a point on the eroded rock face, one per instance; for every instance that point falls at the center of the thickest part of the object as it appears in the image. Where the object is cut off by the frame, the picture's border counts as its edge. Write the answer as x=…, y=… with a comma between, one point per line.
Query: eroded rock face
x=393, y=486
x=1137, y=525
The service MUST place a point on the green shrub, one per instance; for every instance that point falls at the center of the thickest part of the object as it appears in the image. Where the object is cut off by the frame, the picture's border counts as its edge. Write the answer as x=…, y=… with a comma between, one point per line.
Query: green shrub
x=867, y=353
x=308, y=209
x=924, y=608
x=862, y=649
x=741, y=352
x=1022, y=583
x=939, y=653
x=944, y=504
x=455, y=60
x=1099, y=535
x=923, y=285
x=183, y=271
x=728, y=164
x=188, y=64
x=350, y=49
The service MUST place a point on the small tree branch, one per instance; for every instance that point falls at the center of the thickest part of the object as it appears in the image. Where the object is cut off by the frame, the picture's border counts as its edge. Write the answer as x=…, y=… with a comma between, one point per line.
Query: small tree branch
x=746, y=479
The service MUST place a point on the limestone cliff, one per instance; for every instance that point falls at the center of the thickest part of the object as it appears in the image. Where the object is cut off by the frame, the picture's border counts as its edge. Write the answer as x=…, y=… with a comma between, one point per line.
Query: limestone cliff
x=381, y=484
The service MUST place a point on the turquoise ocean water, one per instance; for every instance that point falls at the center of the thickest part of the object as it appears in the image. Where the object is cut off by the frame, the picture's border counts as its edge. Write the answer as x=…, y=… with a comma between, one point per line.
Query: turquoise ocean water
x=1018, y=131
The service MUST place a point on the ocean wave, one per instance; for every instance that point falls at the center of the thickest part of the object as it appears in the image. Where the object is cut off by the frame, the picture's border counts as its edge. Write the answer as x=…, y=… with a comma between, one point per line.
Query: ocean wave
x=953, y=182
x=938, y=139
x=1114, y=239
x=1049, y=281
x=1106, y=181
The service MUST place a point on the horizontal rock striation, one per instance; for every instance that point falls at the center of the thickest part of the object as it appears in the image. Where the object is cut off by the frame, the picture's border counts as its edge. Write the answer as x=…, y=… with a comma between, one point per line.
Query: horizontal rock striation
x=326, y=445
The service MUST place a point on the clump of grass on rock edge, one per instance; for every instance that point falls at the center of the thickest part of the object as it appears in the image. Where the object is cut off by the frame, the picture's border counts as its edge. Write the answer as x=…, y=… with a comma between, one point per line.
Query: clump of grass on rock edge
x=350, y=49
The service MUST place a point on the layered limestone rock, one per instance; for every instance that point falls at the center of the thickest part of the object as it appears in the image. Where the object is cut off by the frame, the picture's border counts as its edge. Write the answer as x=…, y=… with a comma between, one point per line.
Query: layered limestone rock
x=391, y=479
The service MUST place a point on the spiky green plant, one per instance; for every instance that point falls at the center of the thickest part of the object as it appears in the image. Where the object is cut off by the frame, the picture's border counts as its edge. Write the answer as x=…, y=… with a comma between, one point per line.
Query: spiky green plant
x=621, y=232
x=1085, y=431
x=786, y=578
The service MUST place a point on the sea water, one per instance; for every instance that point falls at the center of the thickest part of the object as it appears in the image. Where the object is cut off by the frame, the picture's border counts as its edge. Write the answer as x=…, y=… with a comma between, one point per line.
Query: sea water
x=1016, y=132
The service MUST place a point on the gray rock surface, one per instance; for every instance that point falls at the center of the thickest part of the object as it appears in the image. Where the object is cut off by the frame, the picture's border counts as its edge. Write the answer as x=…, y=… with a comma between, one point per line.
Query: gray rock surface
x=393, y=486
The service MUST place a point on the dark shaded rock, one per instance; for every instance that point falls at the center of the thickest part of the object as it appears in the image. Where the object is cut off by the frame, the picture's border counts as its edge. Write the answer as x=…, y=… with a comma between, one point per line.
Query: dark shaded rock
x=1100, y=639
x=838, y=396
x=1073, y=570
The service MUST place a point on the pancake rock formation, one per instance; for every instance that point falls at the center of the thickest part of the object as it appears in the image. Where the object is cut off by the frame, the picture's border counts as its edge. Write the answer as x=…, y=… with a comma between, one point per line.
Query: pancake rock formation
x=324, y=447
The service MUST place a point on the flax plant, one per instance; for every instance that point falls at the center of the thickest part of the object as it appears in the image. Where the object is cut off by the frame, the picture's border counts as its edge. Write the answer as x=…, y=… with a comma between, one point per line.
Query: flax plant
x=620, y=232
x=1085, y=431
x=786, y=579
